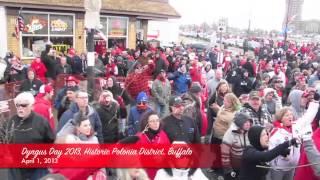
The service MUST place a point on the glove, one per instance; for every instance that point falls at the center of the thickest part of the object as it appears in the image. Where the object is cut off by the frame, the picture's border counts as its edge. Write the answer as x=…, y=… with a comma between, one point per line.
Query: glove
x=293, y=142
x=285, y=152
x=316, y=96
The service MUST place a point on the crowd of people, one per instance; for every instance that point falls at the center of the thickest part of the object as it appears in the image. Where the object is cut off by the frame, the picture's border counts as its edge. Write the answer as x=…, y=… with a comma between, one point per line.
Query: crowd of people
x=262, y=109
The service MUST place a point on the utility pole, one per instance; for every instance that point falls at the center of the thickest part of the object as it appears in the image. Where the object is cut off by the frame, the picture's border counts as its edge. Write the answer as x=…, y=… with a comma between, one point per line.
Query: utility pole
x=90, y=68
x=287, y=22
x=92, y=22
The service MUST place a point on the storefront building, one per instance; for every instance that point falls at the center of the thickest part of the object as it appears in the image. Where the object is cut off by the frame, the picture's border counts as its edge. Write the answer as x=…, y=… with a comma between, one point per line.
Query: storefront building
x=61, y=22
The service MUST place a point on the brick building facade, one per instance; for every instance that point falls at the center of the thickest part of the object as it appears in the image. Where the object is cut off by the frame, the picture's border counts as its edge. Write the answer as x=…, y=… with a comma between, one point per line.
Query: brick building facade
x=62, y=23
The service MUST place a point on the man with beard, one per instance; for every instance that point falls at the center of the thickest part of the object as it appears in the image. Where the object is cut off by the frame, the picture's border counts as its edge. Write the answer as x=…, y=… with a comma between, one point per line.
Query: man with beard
x=258, y=113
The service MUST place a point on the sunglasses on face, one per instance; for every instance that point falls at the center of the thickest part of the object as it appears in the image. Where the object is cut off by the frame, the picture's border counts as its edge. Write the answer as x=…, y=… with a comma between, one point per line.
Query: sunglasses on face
x=142, y=103
x=22, y=105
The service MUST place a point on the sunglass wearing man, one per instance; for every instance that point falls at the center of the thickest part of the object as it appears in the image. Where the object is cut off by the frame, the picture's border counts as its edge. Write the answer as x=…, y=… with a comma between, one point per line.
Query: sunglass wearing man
x=27, y=127
x=136, y=112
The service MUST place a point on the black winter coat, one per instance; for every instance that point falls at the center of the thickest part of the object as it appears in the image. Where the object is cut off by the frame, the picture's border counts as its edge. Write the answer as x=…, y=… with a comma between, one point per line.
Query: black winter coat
x=252, y=157
x=248, y=66
x=35, y=129
x=109, y=116
x=242, y=86
x=32, y=86
x=66, y=69
x=50, y=64
x=160, y=64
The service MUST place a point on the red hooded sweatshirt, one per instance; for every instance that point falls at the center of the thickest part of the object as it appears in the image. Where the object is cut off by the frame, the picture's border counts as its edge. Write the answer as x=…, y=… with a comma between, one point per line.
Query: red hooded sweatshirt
x=40, y=70
x=44, y=108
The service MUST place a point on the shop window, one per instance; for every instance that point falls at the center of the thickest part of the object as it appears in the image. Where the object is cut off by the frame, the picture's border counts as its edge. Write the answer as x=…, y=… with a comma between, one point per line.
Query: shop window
x=114, y=41
x=117, y=26
x=33, y=45
x=41, y=27
x=61, y=44
x=61, y=24
x=35, y=23
x=104, y=23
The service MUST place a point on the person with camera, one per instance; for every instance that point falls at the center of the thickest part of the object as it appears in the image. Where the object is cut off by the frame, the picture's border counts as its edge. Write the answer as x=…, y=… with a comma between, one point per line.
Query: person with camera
x=271, y=100
x=277, y=84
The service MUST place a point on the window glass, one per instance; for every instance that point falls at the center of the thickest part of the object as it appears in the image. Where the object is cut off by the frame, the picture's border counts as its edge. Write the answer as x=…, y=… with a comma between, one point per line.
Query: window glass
x=117, y=26
x=61, y=24
x=33, y=45
x=35, y=23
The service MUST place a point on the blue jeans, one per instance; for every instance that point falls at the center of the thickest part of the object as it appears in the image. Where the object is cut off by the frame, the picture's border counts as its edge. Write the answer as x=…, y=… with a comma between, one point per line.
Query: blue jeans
x=162, y=110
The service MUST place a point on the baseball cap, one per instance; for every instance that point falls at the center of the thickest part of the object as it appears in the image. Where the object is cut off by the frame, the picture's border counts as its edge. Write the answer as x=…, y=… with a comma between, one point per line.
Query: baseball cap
x=46, y=88
x=175, y=100
x=72, y=78
x=254, y=95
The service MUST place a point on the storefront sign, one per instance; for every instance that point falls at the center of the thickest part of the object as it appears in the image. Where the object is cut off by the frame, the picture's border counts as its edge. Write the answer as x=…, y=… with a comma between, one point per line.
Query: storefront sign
x=117, y=32
x=117, y=27
x=58, y=25
x=35, y=24
x=61, y=24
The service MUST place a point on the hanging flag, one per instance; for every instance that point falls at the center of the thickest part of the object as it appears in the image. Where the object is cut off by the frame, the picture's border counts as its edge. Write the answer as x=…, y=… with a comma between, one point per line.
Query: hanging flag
x=291, y=18
x=101, y=35
x=19, y=25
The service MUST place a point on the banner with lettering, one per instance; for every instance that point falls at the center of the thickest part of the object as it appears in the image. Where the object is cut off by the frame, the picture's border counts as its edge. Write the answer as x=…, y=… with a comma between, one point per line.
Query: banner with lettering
x=113, y=156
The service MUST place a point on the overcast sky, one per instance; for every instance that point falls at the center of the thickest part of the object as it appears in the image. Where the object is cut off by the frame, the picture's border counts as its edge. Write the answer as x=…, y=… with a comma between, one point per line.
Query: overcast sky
x=265, y=14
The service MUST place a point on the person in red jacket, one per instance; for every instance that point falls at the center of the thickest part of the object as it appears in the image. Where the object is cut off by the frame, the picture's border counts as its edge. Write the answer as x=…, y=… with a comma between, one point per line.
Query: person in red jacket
x=138, y=80
x=40, y=69
x=151, y=133
x=195, y=71
x=111, y=68
x=150, y=130
x=43, y=105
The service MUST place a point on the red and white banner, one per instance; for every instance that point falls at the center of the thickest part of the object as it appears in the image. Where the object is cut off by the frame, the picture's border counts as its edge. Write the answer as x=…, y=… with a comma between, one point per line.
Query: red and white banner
x=113, y=156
